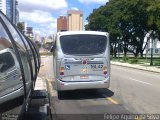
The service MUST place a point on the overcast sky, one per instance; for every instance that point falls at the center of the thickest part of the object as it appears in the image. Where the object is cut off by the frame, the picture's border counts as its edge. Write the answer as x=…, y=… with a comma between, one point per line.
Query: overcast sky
x=42, y=14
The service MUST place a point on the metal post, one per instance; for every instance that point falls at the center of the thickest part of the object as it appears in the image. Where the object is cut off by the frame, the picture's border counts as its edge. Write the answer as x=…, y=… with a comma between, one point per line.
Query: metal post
x=151, y=62
x=118, y=48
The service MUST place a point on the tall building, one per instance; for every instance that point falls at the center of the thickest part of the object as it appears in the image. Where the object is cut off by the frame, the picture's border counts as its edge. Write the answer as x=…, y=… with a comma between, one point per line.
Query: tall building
x=62, y=23
x=75, y=20
x=9, y=11
x=37, y=37
x=3, y=6
x=9, y=8
x=24, y=26
x=15, y=12
x=17, y=15
x=29, y=31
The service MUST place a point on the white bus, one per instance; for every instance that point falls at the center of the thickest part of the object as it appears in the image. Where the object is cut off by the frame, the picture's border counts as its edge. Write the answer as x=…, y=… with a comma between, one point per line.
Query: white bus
x=81, y=60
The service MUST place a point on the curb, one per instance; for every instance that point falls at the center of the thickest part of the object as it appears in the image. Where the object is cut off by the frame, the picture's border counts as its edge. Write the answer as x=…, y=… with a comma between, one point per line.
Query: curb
x=136, y=67
x=50, y=91
x=39, y=104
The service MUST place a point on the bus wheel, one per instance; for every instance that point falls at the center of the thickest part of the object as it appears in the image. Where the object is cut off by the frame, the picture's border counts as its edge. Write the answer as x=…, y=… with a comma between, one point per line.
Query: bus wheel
x=60, y=94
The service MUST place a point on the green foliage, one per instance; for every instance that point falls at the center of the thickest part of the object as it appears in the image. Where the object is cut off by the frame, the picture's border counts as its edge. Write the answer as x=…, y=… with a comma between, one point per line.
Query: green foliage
x=133, y=61
x=128, y=20
x=157, y=63
x=125, y=58
x=20, y=27
x=97, y=20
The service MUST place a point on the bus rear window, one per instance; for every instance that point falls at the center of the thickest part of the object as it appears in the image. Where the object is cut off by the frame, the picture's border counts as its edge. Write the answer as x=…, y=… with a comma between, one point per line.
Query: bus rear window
x=83, y=44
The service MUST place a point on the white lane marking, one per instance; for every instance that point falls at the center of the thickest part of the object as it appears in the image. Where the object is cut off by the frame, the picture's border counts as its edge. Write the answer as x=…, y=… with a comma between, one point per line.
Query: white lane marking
x=43, y=56
x=44, y=62
x=140, y=81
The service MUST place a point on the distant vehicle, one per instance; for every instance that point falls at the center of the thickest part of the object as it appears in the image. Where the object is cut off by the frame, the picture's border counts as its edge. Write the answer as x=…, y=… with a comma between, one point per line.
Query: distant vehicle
x=81, y=60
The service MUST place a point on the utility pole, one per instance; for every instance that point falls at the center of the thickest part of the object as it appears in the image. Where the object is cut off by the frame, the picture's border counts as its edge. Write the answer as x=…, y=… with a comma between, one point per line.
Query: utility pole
x=118, y=48
x=151, y=62
x=152, y=39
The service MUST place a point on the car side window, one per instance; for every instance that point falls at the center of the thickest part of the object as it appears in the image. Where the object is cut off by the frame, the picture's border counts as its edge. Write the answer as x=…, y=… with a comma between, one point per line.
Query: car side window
x=21, y=48
x=6, y=59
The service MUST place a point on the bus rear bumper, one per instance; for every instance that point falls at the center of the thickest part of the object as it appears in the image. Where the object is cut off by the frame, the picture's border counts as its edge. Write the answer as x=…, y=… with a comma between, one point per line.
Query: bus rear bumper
x=63, y=86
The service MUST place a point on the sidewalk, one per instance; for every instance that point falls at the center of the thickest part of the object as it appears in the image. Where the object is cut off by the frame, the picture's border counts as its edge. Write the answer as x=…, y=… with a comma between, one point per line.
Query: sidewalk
x=137, y=66
x=40, y=84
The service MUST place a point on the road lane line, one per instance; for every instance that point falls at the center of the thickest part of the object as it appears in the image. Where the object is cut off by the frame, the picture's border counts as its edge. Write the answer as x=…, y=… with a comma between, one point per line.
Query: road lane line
x=140, y=81
x=112, y=100
x=44, y=62
x=138, y=118
x=43, y=56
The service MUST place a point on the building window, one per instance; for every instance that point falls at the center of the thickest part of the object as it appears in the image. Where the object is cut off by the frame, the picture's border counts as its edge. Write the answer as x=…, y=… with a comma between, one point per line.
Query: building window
x=156, y=50
x=148, y=50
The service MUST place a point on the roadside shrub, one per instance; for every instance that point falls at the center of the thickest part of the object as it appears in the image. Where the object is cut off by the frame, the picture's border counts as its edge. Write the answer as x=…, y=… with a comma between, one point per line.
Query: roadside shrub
x=111, y=57
x=133, y=61
x=125, y=58
x=157, y=63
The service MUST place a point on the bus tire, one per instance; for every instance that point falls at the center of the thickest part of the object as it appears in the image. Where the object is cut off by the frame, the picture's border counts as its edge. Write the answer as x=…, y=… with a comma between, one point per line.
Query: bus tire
x=60, y=94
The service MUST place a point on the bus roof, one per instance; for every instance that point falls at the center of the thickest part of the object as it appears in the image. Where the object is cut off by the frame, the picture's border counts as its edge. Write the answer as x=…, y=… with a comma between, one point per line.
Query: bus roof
x=82, y=32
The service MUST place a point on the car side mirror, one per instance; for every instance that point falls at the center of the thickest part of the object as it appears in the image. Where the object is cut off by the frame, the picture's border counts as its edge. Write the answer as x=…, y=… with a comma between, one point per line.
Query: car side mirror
x=53, y=47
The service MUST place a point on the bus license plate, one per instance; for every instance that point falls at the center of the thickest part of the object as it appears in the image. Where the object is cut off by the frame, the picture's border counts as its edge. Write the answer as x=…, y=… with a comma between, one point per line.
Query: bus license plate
x=84, y=77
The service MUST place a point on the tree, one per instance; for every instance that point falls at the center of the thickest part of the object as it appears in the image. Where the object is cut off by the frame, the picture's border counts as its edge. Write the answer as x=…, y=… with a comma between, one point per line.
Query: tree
x=132, y=22
x=153, y=10
x=96, y=20
x=20, y=26
x=129, y=21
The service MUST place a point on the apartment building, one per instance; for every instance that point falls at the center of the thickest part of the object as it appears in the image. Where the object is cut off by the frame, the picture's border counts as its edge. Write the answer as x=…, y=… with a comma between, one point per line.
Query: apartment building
x=9, y=8
x=62, y=23
x=75, y=20
x=3, y=6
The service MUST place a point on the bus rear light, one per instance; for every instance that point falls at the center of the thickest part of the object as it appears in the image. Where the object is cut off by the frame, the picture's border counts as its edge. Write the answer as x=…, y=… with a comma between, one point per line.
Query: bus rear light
x=104, y=68
x=105, y=72
x=62, y=71
x=62, y=84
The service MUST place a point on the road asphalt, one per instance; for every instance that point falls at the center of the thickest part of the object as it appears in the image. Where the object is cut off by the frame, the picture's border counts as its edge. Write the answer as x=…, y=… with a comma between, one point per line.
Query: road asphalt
x=41, y=82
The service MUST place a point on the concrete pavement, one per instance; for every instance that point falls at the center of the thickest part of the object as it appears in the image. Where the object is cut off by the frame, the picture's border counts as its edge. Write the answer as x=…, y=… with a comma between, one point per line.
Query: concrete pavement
x=132, y=89
x=137, y=90
x=40, y=84
x=137, y=66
